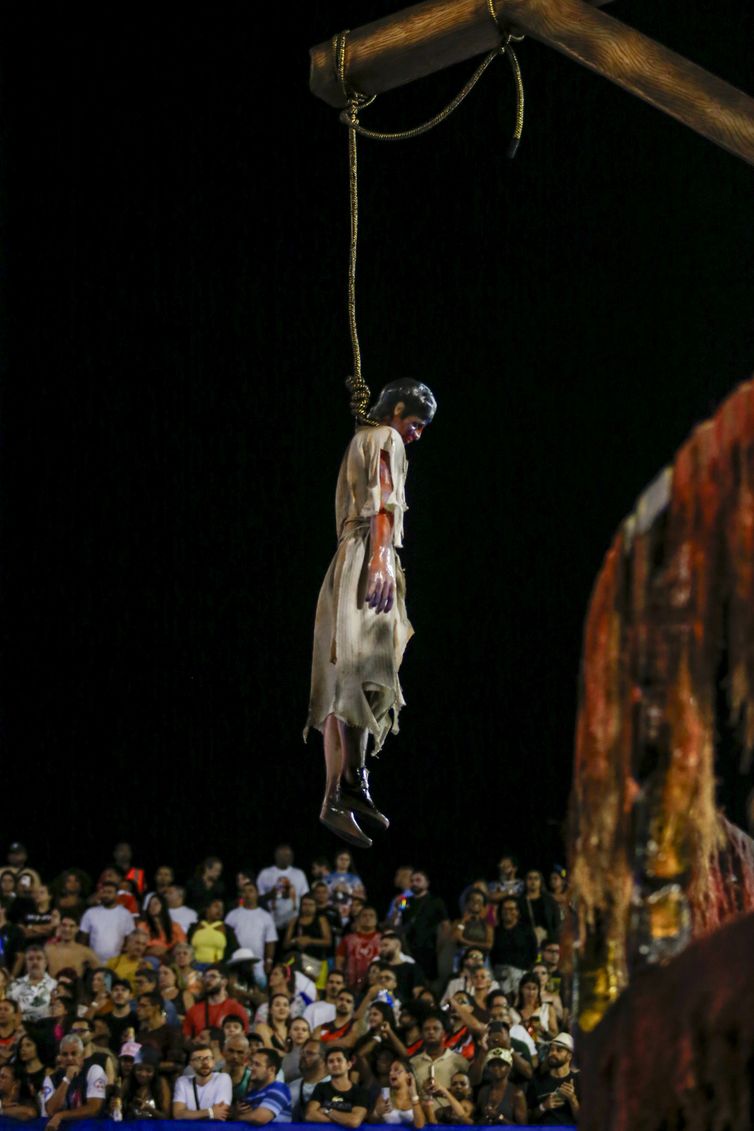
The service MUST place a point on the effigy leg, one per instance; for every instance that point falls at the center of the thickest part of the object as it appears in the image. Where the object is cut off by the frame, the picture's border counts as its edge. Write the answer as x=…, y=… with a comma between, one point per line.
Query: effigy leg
x=342, y=746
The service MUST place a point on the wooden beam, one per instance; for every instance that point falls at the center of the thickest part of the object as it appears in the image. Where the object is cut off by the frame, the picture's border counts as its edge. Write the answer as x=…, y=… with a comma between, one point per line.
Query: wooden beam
x=431, y=36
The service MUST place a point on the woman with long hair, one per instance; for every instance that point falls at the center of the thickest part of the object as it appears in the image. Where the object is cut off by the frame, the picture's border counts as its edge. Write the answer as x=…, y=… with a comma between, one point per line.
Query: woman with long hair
x=163, y=932
x=97, y=990
x=167, y=983
x=548, y=997
x=275, y=1031
x=310, y=936
x=537, y=1017
x=299, y=1033
x=146, y=1094
x=399, y=1102
x=34, y=1058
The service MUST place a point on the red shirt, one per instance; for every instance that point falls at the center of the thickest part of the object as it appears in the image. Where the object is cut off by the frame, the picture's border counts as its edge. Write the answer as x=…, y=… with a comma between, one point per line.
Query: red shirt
x=359, y=952
x=204, y=1015
x=462, y=1043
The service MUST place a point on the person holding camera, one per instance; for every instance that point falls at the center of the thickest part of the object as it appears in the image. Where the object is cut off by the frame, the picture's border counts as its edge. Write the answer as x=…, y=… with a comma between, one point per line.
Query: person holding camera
x=553, y=1097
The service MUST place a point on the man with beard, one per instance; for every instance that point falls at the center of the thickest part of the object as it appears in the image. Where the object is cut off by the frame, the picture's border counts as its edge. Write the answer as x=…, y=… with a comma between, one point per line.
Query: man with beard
x=214, y=1006
x=553, y=1096
x=435, y=1061
x=105, y=926
x=341, y=1031
x=409, y=975
x=337, y=1100
x=153, y=1030
x=322, y=1011
x=425, y=922
x=205, y=1095
x=313, y=1072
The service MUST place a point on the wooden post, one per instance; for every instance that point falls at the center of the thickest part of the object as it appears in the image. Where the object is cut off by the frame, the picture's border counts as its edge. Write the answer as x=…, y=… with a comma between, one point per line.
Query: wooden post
x=433, y=35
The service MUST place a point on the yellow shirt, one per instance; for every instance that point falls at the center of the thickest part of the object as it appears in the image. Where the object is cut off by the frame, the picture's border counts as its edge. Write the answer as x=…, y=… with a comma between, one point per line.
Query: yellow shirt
x=209, y=942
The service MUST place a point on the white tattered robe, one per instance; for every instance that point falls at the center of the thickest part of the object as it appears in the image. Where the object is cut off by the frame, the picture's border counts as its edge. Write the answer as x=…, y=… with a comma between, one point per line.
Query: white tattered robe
x=357, y=652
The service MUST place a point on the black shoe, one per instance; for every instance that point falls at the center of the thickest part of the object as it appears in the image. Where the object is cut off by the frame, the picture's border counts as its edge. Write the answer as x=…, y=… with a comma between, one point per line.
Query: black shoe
x=358, y=797
x=336, y=816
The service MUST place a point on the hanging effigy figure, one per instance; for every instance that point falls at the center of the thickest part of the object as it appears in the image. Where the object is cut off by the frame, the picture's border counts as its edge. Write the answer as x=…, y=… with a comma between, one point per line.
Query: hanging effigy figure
x=361, y=627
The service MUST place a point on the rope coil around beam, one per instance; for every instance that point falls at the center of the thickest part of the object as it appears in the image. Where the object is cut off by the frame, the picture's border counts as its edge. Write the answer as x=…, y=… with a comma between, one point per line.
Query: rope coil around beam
x=356, y=101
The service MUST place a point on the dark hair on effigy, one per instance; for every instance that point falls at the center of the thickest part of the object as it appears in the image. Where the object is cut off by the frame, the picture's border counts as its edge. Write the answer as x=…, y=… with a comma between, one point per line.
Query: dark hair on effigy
x=418, y=400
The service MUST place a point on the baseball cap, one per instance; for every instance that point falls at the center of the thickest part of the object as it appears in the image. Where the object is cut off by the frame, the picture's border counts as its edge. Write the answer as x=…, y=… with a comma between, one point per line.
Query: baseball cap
x=499, y=1054
x=130, y=1048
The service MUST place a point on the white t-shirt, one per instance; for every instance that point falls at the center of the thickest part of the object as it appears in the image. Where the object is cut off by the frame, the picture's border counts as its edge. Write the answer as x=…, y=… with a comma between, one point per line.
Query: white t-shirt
x=254, y=927
x=107, y=928
x=218, y=1089
x=268, y=877
x=183, y=916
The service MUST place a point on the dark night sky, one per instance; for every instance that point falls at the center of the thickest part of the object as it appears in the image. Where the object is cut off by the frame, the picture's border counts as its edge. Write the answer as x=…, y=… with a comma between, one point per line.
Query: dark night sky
x=174, y=237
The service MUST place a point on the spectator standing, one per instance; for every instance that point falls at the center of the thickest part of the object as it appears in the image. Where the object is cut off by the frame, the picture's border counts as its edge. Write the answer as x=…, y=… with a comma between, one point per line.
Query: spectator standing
x=63, y=952
x=255, y=930
x=409, y=975
x=500, y=1101
x=310, y=936
x=17, y=863
x=34, y=989
x=337, y=1100
x=211, y=938
x=216, y=1004
x=283, y=868
x=450, y=1105
x=162, y=930
x=341, y=1031
x=553, y=1095
x=399, y=1102
x=205, y=1095
x=313, y=1072
x=175, y=899
x=401, y=880
x=11, y=944
x=507, y=882
x=70, y=891
x=123, y=860
x=41, y=921
x=269, y=1099
x=322, y=1011
x=206, y=883
x=473, y=928
x=163, y=878
x=515, y=946
x=154, y=1031
x=357, y=950
x=105, y=927
x=435, y=1062
x=123, y=1015
x=538, y=908
x=425, y=922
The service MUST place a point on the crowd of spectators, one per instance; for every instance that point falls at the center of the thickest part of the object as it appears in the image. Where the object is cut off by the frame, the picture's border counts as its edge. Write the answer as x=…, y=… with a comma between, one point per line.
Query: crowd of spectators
x=283, y=997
